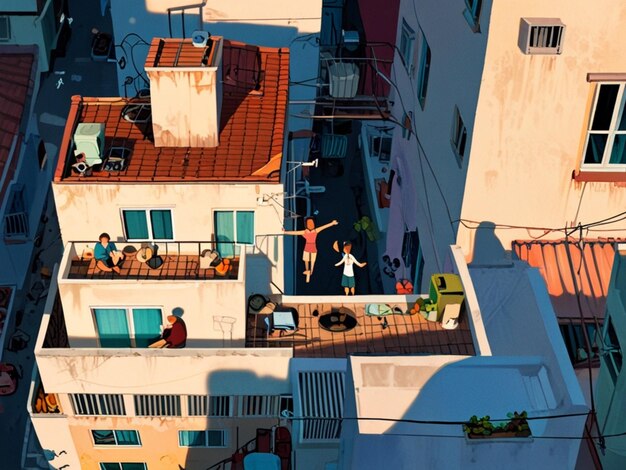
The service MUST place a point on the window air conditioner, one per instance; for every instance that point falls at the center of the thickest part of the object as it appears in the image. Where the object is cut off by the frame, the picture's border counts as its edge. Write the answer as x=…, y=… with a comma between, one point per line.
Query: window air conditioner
x=541, y=35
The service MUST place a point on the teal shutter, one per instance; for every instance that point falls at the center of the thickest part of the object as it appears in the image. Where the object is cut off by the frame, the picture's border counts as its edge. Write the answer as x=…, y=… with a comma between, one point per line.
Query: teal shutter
x=112, y=327
x=147, y=323
x=225, y=233
x=192, y=438
x=161, y=221
x=245, y=227
x=136, y=225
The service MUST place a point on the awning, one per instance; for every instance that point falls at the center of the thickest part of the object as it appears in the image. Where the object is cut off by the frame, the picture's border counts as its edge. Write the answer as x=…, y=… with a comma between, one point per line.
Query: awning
x=564, y=267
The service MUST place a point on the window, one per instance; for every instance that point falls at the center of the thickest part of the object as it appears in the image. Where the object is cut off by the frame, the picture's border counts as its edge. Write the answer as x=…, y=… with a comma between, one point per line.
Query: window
x=472, y=14
x=128, y=327
x=380, y=147
x=423, y=68
x=136, y=226
x=5, y=28
x=157, y=405
x=459, y=134
x=123, y=466
x=541, y=35
x=612, y=350
x=259, y=405
x=115, y=438
x=208, y=438
x=203, y=405
x=98, y=404
x=16, y=217
x=407, y=125
x=407, y=38
x=233, y=227
x=606, y=135
x=574, y=339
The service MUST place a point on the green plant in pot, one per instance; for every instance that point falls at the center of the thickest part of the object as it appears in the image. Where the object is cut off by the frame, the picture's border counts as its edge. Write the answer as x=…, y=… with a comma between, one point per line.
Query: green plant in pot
x=518, y=424
x=479, y=426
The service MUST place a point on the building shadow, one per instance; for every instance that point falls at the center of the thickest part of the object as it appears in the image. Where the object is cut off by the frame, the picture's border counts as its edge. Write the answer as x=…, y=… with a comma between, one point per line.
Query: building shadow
x=245, y=431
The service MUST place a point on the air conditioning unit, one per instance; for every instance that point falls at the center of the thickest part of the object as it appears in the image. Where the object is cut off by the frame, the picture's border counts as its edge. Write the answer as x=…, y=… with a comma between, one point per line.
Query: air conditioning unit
x=541, y=35
x=89, y=140
x=343, y=79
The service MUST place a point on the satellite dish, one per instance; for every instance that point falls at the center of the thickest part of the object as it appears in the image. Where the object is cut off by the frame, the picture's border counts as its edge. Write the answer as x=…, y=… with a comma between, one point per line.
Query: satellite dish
x=200, y=38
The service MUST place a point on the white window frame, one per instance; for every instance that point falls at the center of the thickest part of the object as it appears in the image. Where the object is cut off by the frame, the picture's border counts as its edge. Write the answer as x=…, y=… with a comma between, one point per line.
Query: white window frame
x=376, y=153
x=148, y=223
x=93, y=439
x=94, y=399
x=234, y=211
x=456, y=136
x=8, y=23
x=618, y=111
x=206, y=432
x=129, y=319
x=101, y=464
x=142, y=397
x=268, y=406
x=407, y=34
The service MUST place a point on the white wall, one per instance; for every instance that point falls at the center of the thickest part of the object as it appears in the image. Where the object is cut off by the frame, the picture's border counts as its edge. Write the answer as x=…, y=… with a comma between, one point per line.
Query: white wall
x=531, y=119
x=85, y=210
x=454, y=79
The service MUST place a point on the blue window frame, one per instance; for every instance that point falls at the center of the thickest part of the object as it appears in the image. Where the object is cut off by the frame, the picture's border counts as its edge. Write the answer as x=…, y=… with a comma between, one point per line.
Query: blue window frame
x=115, y=438
x=472, y=14
x=148, y=224
x=423, y=70
x=407, y=40
x=207, y=438
x=233, y=227
x=128, y=327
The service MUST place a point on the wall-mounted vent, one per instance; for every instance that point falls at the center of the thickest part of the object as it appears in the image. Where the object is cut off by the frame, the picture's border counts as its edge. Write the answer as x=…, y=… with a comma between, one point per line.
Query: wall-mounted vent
x=321, y=401
x=541, y=35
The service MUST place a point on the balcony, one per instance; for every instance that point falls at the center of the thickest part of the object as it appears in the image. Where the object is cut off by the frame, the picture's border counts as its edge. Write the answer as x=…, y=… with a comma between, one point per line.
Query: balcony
x=175, y=261
x=397, y=333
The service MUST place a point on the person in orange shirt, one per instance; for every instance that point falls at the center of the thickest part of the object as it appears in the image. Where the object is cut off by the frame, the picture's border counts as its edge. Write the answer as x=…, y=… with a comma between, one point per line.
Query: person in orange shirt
x=310, y=233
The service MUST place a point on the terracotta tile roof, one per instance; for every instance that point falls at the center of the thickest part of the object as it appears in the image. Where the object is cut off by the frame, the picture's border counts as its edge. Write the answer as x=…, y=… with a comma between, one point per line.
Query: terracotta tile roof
x=564, y=266
x=251, y=131
x=16, y=73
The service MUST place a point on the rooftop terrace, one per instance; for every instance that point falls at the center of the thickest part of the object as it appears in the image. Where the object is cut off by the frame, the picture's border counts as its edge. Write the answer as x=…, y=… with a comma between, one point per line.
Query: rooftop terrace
x=252, y=126
x=390, y=334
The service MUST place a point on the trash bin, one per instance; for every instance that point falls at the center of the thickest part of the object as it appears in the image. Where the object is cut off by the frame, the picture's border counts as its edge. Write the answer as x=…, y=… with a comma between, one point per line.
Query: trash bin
x=445, y=289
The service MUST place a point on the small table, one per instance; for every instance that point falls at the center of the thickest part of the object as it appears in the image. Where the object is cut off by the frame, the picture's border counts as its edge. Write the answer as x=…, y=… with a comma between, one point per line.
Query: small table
x=283, y=320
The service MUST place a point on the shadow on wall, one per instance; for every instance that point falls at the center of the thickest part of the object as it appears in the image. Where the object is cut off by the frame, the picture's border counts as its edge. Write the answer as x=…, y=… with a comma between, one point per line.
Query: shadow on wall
x=238, y=432
x=135, y=18
x=488, y=250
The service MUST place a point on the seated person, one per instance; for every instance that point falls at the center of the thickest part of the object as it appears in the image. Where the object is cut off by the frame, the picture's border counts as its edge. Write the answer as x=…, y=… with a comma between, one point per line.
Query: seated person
x=174, y=334
x=107, y=257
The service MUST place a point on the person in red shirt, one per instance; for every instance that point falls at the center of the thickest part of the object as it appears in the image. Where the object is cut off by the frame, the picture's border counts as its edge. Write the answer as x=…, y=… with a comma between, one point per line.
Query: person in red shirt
x=310, y=246
x=174, y=334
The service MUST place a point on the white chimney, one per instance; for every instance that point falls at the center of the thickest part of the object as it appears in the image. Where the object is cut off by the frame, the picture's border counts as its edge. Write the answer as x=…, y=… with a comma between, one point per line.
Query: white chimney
x=185, y=92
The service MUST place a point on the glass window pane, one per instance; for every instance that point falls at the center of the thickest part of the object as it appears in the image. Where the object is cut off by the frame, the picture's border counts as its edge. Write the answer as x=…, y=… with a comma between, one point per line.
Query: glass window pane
x=595, y=148
x=604, y=107
x=216, y=438
x=622, y=121
x=161, y=221
x=147, y=323
x=618, y=154
x=103, y=438
x=225, y=233
x=133, y=466
x=245, y=227
x=424, y=70
x=136, y=225
x=127, y=438
x=112, y=327
x=110, y=466
x=192, y=438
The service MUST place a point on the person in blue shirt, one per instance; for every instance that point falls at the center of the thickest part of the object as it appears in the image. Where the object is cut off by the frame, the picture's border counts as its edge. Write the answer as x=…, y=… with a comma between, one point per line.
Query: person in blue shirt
x=107, y=257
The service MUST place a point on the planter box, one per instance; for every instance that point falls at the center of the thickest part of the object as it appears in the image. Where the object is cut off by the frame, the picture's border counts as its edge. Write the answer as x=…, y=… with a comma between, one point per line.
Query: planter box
x=500, y=435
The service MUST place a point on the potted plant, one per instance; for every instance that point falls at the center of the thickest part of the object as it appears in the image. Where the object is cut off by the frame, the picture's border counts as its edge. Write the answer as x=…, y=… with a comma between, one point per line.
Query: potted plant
x=483, y=428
